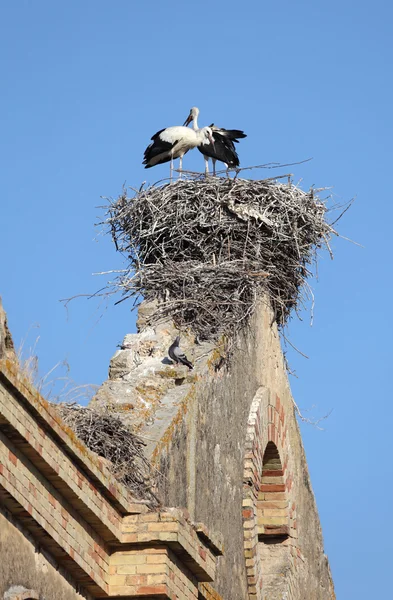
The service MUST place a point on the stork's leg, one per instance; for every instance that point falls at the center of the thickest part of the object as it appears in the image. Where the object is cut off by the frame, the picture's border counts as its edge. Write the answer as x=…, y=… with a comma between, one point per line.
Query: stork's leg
x=214, y=166
x=206, y=165
x=171, y=169
x=180, y=166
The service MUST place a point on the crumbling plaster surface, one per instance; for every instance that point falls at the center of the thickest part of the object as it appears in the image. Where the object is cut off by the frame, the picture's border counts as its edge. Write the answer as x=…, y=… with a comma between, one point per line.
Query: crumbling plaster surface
x=23, y=564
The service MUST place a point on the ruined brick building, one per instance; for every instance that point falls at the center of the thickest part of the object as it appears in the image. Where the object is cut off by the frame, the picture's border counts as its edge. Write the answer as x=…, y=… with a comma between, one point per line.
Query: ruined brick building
x=237, y=518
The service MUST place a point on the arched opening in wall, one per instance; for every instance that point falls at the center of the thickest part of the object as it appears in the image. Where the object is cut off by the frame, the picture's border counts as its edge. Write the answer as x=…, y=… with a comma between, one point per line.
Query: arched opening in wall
x=272, y=504
x=273, y=526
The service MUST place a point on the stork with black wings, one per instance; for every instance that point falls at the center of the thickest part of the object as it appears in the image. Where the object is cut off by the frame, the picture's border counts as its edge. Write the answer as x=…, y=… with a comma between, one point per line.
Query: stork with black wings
x=223, y=148
x=174, y=142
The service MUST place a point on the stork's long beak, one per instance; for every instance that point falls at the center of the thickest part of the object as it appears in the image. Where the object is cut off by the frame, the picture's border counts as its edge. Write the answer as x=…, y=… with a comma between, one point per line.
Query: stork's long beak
x=211, y=138
x=188, y=120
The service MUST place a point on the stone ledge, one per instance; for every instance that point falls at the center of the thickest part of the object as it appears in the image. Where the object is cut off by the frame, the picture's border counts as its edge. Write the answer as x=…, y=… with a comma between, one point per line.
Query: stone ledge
x=211, y=540
x=173, y=529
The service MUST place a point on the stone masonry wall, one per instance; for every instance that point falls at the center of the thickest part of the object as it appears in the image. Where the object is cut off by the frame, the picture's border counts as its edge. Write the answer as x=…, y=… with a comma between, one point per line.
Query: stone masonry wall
x=211, y=443
x=208, y=432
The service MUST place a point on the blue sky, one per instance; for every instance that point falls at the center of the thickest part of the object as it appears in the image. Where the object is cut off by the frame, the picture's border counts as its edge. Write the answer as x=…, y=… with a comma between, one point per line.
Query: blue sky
x=86, y=84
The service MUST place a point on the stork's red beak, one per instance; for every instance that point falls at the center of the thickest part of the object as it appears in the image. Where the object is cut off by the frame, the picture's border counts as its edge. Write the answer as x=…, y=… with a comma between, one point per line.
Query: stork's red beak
x=211, y=138
x=188, y=120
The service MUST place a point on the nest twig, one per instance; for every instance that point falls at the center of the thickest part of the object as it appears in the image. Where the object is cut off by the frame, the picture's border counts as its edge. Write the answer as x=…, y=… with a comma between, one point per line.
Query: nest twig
x=207, y=248
x=107, y=435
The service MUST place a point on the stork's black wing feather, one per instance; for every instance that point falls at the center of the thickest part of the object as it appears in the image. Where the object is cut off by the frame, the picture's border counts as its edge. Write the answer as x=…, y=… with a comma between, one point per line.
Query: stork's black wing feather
x=224, y=147
x=153, y=137
x=223, y=150
x=158, y=146
x=230, y=134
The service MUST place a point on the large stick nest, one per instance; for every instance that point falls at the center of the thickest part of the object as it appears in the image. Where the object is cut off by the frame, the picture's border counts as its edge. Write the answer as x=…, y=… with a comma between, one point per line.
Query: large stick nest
x=207, y=248
x=107, y=435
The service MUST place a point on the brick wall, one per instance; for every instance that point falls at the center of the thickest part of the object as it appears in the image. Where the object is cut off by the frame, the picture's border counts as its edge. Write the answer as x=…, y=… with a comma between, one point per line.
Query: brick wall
x=282, y=535
x=65, y=500
x=270, y=537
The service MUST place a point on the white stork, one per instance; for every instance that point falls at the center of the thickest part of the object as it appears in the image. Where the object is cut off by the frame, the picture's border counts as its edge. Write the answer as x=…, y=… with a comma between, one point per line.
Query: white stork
x=174, y=142
x=223, y=148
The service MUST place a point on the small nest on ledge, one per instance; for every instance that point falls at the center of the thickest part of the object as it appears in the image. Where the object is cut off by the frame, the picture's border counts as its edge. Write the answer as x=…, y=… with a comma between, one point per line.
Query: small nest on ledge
x=107, y=435
x=207, y=248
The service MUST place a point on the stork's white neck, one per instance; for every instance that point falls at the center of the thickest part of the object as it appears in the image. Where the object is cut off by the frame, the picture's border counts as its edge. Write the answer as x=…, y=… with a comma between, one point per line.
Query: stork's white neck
x=195, y=122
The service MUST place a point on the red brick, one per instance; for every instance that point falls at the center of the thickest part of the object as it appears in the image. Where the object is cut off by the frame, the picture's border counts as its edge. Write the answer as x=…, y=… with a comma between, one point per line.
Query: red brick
x=272, y=473
x=12, y=458
x=94, y=555
x=202, y=553
x=273, y=488
x=248, y=513
x=151, y=589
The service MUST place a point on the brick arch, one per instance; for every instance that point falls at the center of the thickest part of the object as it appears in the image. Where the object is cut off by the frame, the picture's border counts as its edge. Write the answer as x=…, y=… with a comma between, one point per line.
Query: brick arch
x=272, y=503
x=266, y=450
